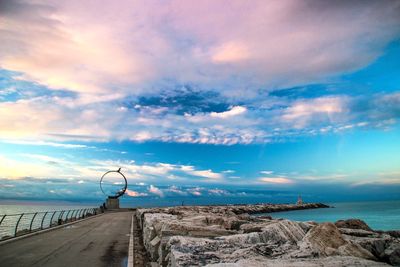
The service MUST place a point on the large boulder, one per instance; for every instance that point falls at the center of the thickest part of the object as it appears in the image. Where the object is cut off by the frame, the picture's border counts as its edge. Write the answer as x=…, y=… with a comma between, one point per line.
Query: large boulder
x=320, y=262
x=383, y=246
x=326, y=240
x=392, y=254
x=353, y=224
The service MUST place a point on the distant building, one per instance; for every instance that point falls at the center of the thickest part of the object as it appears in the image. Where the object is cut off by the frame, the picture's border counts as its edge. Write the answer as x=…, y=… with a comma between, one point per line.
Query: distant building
x=299, y=200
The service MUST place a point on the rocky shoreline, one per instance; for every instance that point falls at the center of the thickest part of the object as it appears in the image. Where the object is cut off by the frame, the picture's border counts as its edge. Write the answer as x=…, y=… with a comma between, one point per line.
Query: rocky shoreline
x=227, y=236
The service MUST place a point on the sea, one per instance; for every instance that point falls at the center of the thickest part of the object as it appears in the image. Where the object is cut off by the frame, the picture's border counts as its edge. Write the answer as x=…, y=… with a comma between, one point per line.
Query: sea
x=379, y=215
x=21, y=215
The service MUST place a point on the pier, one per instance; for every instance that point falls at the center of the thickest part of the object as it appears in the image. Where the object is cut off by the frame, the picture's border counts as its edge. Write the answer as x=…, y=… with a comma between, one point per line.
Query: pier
x=102, y=240
x=115, y=237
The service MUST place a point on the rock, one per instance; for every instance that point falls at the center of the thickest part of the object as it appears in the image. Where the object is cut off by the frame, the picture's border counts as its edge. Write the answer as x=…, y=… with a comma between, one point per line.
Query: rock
x=383, y=246
x=392, y=254
x=324, y=236
x=153, y=248
x=358, y=232
x=277, y=232
x=306, y=226
x=324, y=262
x=152, y=224
x=268, y=217
x=326, y=240
x=353, y=224
x=230, y=236
x=395, y=234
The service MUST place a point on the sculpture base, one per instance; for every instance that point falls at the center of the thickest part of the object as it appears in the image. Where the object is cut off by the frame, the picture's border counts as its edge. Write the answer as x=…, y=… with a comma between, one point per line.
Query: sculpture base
x=112, y=203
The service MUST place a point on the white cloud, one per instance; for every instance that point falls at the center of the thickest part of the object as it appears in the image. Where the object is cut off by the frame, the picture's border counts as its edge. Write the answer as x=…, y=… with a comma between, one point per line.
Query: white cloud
x=156, y=191
x=305, y=111
x=176, y=190
x=218, y=192
x=266, y=172
x=43, y=143
x=195, y=191
x=205, y=174
x=234, y=47
x=234, y=111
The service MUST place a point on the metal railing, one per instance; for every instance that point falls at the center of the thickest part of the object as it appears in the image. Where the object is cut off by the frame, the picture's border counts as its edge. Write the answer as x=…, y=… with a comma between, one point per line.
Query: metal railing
x=13, y=225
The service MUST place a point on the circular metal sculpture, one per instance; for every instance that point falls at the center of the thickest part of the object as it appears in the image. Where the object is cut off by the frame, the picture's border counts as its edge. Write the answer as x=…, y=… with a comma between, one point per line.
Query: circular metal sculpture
x=113, y=184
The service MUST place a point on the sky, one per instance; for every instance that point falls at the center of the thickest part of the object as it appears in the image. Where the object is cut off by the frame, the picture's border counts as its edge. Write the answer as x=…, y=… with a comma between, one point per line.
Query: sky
x=196, y=101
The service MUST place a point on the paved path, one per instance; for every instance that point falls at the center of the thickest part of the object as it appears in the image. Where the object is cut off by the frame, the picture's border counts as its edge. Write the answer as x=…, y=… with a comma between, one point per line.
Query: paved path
x=99, y=241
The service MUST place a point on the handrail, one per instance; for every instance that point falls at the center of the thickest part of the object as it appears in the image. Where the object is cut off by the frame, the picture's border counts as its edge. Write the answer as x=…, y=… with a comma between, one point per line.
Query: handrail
x=66, y=216
x=44, y=216
x=12, y=225
x=4, y=216
x=30, y=226
x=16, y=226
x=72, y=215
x=51, y=219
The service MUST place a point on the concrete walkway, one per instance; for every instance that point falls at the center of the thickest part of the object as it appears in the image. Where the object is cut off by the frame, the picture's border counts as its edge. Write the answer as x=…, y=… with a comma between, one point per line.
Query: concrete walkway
x=98, y=241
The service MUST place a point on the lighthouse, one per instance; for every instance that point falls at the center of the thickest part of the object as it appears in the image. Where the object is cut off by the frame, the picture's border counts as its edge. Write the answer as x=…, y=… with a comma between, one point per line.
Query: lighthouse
x=299, y=200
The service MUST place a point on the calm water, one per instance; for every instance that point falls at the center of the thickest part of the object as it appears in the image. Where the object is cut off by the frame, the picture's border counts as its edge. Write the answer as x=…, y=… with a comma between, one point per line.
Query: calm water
x=32, y=207
x=30, y=220
x=382, y=215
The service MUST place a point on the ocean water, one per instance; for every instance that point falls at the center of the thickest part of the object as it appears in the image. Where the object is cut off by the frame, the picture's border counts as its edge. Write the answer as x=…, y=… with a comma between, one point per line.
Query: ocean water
x=30, y=220
x=17, y=208
x=379, y=215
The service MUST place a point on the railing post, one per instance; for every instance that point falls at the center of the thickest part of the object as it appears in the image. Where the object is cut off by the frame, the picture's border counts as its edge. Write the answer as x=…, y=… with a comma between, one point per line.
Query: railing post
x=79, y=214
x=16, y=226
x=52, y=218
x=76, y=213
x=61, y=214
x=66, y=216
x=60, y=217
x=2, y=219
x=44, y=216
x=72, y=214
x=33, y=218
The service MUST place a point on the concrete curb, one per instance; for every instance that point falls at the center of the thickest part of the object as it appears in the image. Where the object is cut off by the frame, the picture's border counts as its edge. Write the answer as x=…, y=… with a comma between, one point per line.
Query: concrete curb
x=3, y=242
x=130, y=252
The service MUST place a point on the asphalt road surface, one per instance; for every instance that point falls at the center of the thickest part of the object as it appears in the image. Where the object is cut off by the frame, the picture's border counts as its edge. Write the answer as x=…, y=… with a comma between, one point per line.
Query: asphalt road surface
x=99, y=241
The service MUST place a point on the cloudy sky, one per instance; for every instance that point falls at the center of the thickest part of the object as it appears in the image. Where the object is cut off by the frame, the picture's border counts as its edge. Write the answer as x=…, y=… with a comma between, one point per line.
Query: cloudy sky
x=200, y=98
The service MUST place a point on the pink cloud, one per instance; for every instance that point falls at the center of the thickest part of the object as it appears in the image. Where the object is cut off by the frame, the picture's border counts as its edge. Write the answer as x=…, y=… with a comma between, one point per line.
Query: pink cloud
x=132, y=193
x=99, y=49
x=276, y=180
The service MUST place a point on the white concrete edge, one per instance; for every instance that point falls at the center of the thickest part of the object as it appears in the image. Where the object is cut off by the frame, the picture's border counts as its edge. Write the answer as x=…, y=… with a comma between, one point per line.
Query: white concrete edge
x=130, y=252
x=3, y=242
